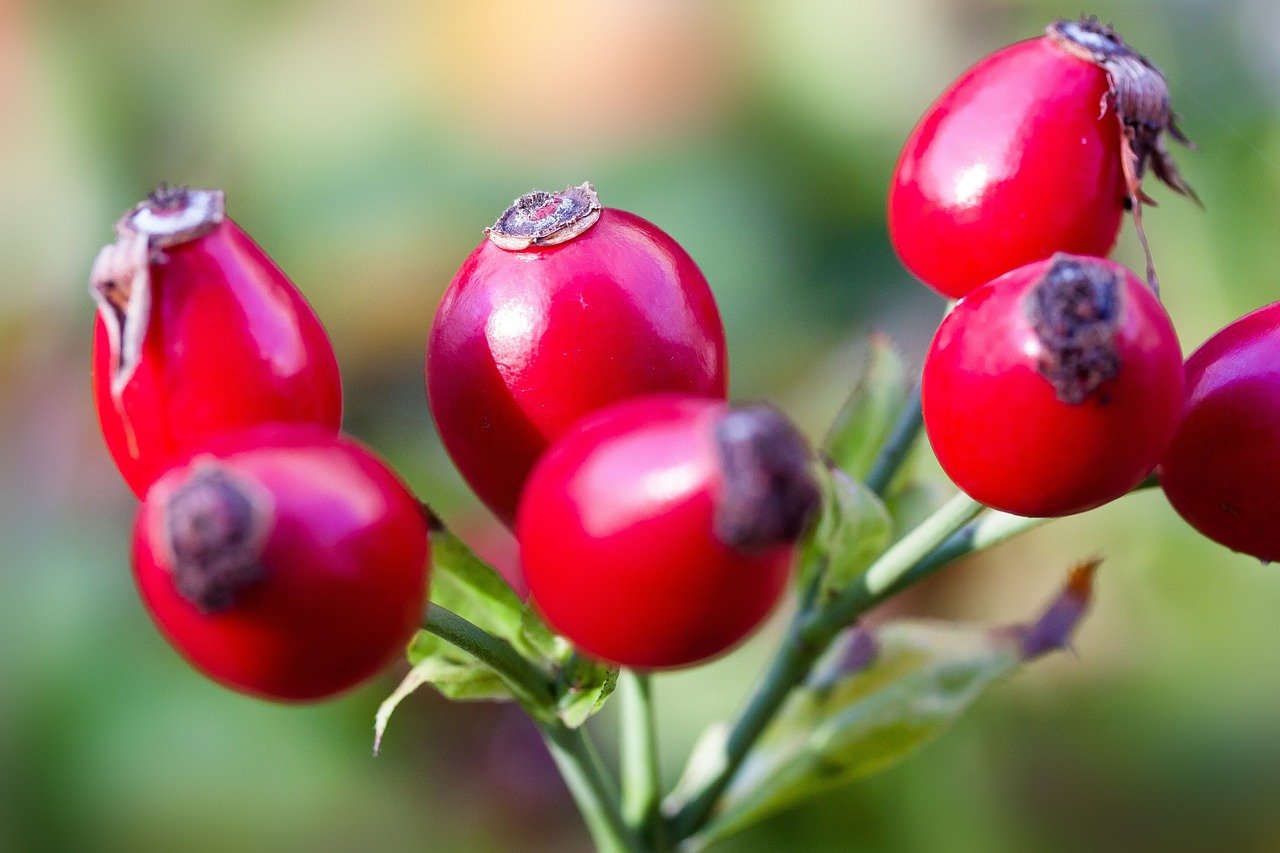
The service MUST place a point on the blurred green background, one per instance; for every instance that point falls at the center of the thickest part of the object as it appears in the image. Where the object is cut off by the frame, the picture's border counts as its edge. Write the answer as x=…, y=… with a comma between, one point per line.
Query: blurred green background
x=366, y=145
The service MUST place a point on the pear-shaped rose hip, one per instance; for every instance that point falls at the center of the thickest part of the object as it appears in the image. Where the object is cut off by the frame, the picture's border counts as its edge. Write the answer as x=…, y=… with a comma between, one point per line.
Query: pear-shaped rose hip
x=565, y=308
x=198, y=334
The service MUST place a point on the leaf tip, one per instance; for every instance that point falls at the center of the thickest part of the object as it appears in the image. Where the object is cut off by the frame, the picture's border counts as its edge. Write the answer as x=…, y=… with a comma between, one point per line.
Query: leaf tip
x=1056, y=625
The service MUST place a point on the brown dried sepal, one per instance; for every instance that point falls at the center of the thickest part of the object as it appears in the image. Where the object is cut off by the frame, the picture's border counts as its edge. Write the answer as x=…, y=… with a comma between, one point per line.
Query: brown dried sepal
x=216, y=525
x=1140, y=94
x=120, y=282
x=542, y=218
x=770, y=493
x=1057, y=624
x=1074, y=311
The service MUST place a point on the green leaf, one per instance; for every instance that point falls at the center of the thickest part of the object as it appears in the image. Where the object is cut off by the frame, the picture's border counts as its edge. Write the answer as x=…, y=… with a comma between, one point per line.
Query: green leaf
x=852, y=531
x=585, y=685
x=868, y=416
x=470, y=587
x=538, y=641
x=880, y=695
x=455, y=673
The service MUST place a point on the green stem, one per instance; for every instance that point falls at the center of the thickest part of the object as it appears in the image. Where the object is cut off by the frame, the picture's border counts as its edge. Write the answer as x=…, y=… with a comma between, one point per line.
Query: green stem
x=889, y=568
x=984, y=532
x=806, y=640
x=591, y=789
x=590, y=784
x=582, y=771
x=534, y=687
x=987, y=531
x=641, y=779
x=896, y=447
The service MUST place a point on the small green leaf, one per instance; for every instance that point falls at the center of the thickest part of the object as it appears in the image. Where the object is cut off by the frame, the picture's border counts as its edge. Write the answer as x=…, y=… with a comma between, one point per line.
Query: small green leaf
x=455, y=673
x=852, y=531
x=538, y=641
x=466, y=585
x=585, y=685
x=470, y=587
x=862, y=426
x=878, y=696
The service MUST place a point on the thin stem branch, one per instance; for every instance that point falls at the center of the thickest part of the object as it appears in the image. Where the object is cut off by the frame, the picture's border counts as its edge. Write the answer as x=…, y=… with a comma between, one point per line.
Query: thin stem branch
x=806, y=640
x=899, y=443
x=591, y=788
x=594, y=791
x=582, y=771
x=987, y=531
x=641, y=779
x=531, y=683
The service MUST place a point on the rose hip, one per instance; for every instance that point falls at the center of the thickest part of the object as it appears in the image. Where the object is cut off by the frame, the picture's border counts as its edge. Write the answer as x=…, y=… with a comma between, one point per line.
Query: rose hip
x=283, y=561
x=1053, y=389
x=199, y=333
x=660, y=532
x=1222, y=472
x=565, y=308
x=1037, y=149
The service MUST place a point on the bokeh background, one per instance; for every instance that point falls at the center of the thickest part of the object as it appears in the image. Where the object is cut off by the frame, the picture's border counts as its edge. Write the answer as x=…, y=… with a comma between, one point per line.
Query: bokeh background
x=365, y=145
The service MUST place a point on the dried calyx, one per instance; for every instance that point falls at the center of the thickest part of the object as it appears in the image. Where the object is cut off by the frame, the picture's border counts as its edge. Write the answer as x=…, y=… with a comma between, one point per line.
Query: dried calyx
x=120, y=282
x=1074, y=311
x=770, y=493
x=1141, y=97
x=215, y=526
x=1056, y=625
x=542, y=218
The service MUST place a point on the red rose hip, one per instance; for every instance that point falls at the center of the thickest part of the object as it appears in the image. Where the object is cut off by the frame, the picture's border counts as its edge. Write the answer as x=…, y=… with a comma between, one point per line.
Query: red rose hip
x=565, y=308
x=283, y=562
x=1222, y=472
x=1037, y=149
x=660, y=531
x=199, y=333
x=1053, y=389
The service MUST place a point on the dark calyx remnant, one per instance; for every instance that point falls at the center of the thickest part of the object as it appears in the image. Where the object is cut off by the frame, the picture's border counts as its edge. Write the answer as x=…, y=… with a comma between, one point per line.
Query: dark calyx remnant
x=165, y=197
x=216, y=530
x=1074, y=311
x=174, y=215
x=770, y=492
x=1141, y=96
x=542, y=218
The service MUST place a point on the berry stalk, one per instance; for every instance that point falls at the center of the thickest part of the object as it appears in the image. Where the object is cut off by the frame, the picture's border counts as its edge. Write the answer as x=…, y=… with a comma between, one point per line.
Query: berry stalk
x=809, y=636
x=641, y=779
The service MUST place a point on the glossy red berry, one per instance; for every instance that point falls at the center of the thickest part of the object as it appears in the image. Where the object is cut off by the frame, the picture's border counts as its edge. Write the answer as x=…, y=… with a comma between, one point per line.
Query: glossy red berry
x=565, y=308
x=199, y=333
x=1032, y=151
x=1222, y=472
x=660, y=531
x=1053, y=389
x=283, y=561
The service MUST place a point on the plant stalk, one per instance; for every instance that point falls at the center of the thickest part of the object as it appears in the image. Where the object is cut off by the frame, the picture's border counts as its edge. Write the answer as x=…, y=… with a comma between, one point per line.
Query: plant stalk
x=808, y=637
x=527, y=680
x=592, y=789
x=641, y=777
x=902, y=437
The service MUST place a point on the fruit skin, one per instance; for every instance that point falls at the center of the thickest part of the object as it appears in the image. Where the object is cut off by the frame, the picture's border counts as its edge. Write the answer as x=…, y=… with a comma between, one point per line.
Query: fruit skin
x=998, y=426
x=344, y=567
x=525, y=343
x=1018, y=159
x=229, y=343
x=1222, y=472
x=617, y=531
